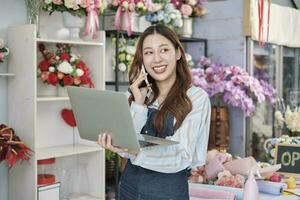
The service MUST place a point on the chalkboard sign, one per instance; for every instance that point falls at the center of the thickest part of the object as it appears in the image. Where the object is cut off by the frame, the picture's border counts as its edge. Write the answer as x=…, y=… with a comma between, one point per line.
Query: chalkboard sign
x=288, y=155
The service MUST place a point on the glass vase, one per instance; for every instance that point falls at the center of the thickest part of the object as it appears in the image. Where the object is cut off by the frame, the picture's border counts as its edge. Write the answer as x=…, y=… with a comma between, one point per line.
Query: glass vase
x=33, y=12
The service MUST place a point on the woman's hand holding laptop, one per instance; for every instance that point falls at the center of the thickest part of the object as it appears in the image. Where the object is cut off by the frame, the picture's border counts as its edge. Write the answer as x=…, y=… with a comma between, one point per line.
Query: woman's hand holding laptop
x=105, y=141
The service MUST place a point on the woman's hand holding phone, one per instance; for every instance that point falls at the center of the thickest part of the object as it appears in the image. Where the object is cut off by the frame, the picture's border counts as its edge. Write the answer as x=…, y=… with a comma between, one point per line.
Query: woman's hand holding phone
x=140, y=93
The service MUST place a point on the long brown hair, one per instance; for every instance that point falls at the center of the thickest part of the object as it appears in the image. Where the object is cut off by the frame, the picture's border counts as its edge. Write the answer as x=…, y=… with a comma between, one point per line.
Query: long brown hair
x=177, y=103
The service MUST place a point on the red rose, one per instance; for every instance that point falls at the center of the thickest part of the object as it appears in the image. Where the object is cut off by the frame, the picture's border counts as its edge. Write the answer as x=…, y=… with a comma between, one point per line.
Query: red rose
x=81, y=65
x=84, y=79
x=65, y=56
x=44, y=65
x=68, y=80
x=52, y=78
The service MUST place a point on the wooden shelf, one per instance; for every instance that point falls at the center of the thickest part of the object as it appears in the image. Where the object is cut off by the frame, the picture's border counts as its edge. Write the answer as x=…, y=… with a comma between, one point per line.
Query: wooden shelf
x=67, y=150
x=70, y=42
x=6, y=74
x=47, y=99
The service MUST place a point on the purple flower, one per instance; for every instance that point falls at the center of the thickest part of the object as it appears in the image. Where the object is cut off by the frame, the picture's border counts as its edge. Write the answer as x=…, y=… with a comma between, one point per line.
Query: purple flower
x=232, y=85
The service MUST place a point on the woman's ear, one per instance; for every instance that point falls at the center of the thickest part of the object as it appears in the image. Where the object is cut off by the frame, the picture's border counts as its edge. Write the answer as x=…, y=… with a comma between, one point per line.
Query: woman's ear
x=178, y=54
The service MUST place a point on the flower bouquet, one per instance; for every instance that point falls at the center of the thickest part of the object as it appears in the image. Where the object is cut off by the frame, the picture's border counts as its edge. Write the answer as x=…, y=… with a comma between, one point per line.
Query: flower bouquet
x=4, y=51
x=288, y=119
x=63, y=67
x=12, y=148
x=164, y=12
x=126, y=53
x=77, y=8
x=270, y=145
x=190, y=8
x=231, y=85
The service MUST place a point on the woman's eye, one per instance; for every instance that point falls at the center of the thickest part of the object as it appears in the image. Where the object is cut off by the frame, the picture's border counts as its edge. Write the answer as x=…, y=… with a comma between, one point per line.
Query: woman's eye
x=164, y=50
x=147, y=53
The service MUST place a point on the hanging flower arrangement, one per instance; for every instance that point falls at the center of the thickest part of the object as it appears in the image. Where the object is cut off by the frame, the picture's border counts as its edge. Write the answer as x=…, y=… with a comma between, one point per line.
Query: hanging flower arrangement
x=63, y=67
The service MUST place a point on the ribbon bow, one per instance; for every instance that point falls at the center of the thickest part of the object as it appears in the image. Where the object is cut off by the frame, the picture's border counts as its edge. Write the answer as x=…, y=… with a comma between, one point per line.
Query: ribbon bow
x=92, y=23
x=127, y=16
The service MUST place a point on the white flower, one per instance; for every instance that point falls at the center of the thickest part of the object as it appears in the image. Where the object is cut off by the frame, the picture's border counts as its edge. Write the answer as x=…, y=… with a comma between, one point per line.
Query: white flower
x=128, y=57
x=65, y=67
x=157, y=7
x=140, y=4
x=73, y=57
x=70, y=4
x=130, y=50
x=125, y=4
x=192, y=2
x=79, y=72
x=57, y=58
x=122, y=67
x=51, y=69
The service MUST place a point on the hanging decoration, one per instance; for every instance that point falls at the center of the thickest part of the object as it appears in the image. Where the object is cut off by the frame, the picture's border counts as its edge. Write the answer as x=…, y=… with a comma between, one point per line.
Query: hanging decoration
x=68, y=117
x=92, y=23
x=260, y=7
x=12, y=148
x=126, y=6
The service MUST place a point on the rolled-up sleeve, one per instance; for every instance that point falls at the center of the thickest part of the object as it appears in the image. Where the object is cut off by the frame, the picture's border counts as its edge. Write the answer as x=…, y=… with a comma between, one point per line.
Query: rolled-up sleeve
x=192, y=136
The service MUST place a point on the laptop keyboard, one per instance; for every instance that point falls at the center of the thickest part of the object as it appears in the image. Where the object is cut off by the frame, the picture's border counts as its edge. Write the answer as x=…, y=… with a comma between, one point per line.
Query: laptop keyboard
x=146, y=144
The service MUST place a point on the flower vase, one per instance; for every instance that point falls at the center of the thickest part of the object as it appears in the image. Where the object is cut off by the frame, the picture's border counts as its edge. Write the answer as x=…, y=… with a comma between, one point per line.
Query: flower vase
x=187, y=27
x=33, y=12
x=45, y=90
x=219, y=128
x=62, y=91
x=74, y=24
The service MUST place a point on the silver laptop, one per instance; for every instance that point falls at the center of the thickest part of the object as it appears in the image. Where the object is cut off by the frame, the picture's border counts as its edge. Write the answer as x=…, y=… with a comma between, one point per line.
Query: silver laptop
x=99, y=111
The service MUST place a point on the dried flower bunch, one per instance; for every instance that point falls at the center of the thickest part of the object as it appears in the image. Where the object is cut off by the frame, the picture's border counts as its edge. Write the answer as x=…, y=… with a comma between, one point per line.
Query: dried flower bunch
x=12, y=148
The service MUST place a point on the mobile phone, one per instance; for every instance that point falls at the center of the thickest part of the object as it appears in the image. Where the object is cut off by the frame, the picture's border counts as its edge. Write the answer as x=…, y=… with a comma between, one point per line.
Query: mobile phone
x=147, y=82
x=144, y=71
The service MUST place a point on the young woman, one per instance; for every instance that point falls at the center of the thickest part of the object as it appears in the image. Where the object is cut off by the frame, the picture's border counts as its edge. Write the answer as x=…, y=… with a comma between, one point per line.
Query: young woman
x=174, y=110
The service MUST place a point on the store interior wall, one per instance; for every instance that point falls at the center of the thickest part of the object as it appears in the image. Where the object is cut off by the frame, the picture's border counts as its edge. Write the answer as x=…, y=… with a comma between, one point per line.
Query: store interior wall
x=13, y=12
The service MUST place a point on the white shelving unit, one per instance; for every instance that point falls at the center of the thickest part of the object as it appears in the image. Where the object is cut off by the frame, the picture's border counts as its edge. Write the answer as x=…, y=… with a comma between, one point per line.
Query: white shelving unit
x=37, y=119
x=6, y=74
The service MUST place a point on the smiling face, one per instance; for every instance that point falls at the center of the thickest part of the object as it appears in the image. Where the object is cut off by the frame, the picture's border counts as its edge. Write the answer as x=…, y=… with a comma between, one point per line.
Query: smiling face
x=160, y=58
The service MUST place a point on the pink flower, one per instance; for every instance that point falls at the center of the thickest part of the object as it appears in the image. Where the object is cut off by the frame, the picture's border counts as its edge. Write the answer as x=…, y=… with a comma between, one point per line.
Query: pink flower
x=1, y=56
x=44, y=76
x=57, y=2
x=114, y=3
x=186, y=10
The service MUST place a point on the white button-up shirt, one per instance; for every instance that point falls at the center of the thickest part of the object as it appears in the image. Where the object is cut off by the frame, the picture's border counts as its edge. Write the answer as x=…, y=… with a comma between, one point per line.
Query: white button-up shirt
x=192, y=136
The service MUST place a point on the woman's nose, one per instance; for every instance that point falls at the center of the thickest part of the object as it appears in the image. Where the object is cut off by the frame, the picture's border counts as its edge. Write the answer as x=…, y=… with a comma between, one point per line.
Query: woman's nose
x=157, y=57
